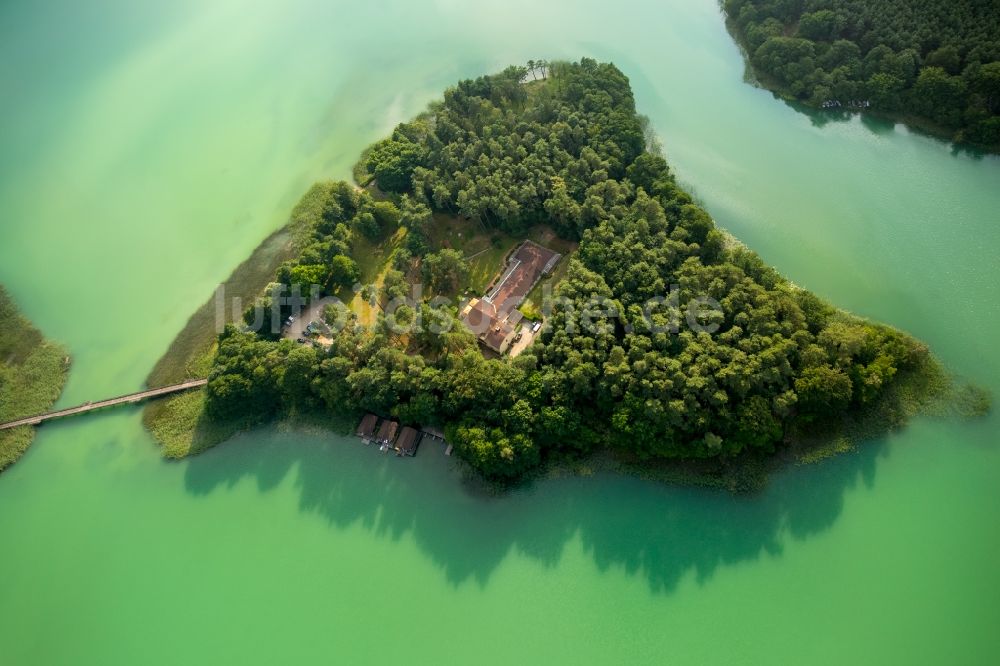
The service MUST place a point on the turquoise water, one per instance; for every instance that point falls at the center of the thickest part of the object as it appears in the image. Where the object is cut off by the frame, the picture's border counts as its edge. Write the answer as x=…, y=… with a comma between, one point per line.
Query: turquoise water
x=146, y=150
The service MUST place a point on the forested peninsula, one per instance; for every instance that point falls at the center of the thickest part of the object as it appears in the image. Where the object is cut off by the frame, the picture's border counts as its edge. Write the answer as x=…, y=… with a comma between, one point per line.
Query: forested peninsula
x=33, y=372
x=660, y=337
x=934, y=64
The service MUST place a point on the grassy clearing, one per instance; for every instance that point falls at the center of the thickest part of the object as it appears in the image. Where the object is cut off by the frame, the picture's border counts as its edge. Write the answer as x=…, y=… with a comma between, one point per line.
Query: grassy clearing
x=32, y=375
x=484, y=249
x=374, y=260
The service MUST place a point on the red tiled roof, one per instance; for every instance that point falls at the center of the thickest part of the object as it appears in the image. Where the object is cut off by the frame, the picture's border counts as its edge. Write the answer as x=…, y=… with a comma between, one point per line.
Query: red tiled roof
x=479, y=316
x=494, y=339
x=532, y=260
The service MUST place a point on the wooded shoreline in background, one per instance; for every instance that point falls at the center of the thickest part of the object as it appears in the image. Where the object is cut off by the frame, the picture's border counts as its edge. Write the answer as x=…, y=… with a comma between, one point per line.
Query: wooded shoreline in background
x=933, y=64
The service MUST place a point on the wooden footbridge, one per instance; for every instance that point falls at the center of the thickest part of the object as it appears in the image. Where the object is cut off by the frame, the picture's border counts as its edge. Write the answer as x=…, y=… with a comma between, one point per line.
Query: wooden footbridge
x=129, y=399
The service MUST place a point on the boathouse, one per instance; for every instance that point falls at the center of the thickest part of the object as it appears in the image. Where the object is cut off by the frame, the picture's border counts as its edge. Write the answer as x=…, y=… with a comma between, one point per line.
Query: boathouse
x=387, y=432
x=408, y=441
x=367, y=427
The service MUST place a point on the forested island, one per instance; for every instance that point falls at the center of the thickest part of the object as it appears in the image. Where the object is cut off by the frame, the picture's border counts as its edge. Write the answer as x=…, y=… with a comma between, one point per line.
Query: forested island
x=932, y=63
x=629, y=360
x=32, y=375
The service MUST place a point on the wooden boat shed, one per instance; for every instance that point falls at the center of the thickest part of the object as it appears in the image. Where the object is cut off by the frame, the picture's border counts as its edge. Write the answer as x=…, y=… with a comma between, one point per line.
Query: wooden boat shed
x=367, y=427
x=387, y=432
x=408, y=441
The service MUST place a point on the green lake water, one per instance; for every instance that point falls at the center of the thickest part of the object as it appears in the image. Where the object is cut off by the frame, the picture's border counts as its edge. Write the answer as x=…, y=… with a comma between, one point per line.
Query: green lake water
x=145, y=150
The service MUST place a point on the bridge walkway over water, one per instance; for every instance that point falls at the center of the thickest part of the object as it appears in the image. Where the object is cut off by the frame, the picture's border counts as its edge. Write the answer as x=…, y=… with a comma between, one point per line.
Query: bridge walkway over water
x=129, y=399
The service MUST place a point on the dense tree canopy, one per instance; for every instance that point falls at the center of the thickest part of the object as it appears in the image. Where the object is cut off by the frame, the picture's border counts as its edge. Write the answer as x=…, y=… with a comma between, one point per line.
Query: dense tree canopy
x=444, y=270
x=937, y=59
x=492, y=150
x=666, y=338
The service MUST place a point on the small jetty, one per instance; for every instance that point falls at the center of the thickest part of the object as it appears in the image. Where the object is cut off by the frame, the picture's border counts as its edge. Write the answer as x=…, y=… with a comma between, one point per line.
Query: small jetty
x=431, y=432
x=390, y=435
x=434, y=433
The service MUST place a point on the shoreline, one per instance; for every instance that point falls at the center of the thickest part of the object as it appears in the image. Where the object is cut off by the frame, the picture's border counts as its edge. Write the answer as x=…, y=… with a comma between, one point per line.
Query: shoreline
x=927, y=392
x=913, y=123
x=905, y=379
x=178, y=425
x=33, y=374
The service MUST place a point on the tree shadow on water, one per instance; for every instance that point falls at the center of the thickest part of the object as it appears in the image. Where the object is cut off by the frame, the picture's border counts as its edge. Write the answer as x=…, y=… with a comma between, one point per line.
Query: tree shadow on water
x=877, y=125
x=648, y=529
x=870, y=120
x=883, y=124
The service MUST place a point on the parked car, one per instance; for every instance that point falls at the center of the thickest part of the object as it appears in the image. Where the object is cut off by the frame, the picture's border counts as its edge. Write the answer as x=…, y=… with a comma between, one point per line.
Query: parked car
x=301, y=341
x=538, y=325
